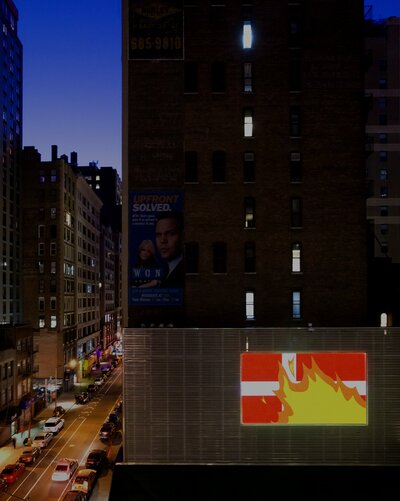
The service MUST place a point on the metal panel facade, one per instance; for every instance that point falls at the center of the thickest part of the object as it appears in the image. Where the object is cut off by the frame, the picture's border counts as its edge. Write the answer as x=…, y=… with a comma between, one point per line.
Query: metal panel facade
x=182, y=399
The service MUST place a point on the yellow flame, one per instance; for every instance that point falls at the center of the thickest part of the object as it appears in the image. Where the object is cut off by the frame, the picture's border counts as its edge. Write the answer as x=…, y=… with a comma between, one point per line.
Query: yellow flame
x=318, y=399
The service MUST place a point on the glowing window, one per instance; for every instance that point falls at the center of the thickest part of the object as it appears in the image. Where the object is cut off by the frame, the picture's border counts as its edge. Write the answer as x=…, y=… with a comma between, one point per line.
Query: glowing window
x=248, y=122
x=249, y=298
x=247, y=35
x=296, y=258
x=296, y=304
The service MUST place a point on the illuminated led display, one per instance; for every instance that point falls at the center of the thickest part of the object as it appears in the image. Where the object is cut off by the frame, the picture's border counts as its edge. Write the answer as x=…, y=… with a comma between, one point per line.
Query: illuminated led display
x=321, y=388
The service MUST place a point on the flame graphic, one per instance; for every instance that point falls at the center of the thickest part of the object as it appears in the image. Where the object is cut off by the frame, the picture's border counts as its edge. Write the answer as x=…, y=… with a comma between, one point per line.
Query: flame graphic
x=318, y=399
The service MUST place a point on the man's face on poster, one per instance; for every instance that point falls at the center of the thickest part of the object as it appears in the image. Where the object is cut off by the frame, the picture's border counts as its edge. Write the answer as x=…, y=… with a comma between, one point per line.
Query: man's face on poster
x=168, y=238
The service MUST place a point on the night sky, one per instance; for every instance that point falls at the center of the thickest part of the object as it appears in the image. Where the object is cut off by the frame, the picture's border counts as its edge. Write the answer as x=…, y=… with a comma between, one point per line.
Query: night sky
x=72, y=76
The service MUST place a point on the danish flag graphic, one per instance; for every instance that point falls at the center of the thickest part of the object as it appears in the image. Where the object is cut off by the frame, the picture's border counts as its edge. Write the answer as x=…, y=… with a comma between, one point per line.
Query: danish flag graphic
x=303, y=388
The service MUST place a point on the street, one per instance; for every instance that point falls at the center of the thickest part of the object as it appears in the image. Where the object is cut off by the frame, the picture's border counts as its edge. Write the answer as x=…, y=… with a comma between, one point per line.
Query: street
x=78, y=437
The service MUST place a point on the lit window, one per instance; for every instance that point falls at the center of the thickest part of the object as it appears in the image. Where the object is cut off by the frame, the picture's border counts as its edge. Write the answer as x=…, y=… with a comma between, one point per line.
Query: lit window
x=296, y=258
x=296, y=304
x=53, y=321
x=41, y=322
x=247, y=35
x=248, y=122
x=249, y=298
x=383, y=319
x=248, y=77
x=249, y=212
x=53, y=176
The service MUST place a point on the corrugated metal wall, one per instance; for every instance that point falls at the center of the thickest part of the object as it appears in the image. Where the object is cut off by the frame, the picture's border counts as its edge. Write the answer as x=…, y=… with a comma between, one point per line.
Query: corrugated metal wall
x=182, y=399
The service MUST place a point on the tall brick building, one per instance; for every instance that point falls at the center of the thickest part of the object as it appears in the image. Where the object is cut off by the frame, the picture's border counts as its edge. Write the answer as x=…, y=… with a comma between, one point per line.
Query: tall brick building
x=247, y=118
x=251, y=113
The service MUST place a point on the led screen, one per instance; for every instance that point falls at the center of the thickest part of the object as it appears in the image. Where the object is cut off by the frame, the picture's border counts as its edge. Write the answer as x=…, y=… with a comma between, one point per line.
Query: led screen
x=312, y=388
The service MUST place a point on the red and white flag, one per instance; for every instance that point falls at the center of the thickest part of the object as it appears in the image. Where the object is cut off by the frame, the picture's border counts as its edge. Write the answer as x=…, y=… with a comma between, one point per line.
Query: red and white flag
x=263, y=375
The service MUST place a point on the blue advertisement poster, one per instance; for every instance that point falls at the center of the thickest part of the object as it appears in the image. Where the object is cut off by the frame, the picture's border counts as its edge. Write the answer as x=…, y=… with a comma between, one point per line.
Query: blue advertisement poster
x=156, y=264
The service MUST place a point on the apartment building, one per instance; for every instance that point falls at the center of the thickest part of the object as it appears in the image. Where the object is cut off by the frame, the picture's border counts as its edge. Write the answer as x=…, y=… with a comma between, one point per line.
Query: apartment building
x=382, y=88
x=61, y=228
x=16, y=341
x=250, y=118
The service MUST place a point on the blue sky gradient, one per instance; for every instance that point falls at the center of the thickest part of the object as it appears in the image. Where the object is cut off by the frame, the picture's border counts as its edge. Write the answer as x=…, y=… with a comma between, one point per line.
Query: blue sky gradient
x=72, y=76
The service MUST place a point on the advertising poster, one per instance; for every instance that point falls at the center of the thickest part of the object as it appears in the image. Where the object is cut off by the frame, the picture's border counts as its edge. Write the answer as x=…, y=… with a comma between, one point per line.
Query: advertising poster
x=156, y=264
x=155, y=29
x=321, y=388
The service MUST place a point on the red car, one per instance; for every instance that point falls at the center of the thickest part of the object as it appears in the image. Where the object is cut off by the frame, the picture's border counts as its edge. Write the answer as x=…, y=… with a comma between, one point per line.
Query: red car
x=12, y=472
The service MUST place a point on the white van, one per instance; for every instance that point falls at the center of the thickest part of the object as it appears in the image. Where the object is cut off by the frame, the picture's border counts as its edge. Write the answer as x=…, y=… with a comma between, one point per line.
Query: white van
x=53, y=425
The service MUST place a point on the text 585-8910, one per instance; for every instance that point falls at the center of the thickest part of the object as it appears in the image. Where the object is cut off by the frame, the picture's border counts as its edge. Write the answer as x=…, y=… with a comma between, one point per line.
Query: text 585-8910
x=157, y=43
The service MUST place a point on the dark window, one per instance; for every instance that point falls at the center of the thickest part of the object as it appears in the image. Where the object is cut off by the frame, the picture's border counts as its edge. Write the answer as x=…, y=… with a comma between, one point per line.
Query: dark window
x=191, y=174
x=294, y=26
x=53, y=231
x=248, y=77
x=249, y=167
x=218, y=166
x=295, y=167
x=294, y=71
x=383, y=83
x=192, y=257
x=295, y=121
x=383, y=138
x=249, y=257
x=191, y=84
x=384, y=210
x=249, y=212
x=218, y=79
x=296, y=213
x=382, y=119
x=219, y=257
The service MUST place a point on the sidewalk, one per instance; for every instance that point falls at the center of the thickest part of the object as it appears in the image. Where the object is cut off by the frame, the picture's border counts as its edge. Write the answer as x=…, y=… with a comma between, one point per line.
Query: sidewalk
x=10, y=455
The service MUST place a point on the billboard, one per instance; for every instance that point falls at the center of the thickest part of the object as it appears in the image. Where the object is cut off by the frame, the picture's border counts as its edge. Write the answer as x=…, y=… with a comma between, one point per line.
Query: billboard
x=312, y=388
x=156, y=264
x=155, y=29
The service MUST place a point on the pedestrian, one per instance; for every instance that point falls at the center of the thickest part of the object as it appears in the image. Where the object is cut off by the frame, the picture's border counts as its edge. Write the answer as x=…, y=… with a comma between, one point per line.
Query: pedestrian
x=14, y=441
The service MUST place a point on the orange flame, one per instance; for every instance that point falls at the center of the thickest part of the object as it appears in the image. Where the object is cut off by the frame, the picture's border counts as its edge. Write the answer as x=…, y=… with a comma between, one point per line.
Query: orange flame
x=318, y=399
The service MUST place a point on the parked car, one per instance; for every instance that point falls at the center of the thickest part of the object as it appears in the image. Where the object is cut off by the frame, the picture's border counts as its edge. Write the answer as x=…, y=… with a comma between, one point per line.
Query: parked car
x=92, y=388
x=42, y=440
x=99, y=381
x=82, y=398
x=97, y=460
x=59, y=411
x=114, y=418
x=64, y=469
x=3, y=485
x=54, y=425
x=12, y=472
x=84, y=481
x=74, y=496
x=107, y=431
x=30, y=455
